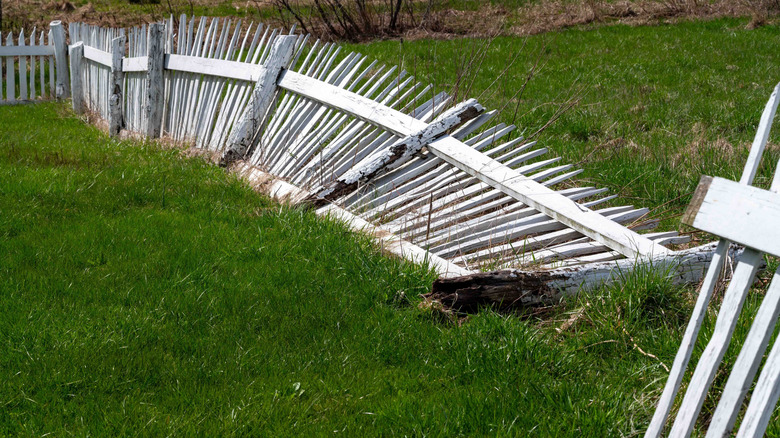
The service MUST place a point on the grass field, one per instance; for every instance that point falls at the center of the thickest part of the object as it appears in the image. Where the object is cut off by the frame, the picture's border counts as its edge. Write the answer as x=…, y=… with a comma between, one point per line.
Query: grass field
x=147, y=293
x=658, y=105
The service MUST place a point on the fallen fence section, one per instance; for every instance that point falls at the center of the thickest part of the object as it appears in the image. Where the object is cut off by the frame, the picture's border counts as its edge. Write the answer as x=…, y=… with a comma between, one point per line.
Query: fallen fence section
x=736, y=212
x=365, y=142
x=28, y=62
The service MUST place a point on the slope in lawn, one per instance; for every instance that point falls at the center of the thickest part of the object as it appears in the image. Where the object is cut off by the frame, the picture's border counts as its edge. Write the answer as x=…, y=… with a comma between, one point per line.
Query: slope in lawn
x=147, y=293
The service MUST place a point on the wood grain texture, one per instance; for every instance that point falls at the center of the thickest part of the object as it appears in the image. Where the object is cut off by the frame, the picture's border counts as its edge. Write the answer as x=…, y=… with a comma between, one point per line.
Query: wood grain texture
x=398, y=153
x=76, y=52
x=262, y=98
x=61, y=59
x=155, y=87
x=740, y=213
x=115, y=117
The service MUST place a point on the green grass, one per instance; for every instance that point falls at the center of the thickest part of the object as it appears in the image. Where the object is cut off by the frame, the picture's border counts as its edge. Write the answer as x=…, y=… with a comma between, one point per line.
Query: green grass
x=661, y=105
x=148, y=293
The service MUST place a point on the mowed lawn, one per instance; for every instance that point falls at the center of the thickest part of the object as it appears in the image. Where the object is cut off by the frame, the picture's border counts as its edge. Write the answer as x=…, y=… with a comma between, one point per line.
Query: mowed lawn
x=143, y=292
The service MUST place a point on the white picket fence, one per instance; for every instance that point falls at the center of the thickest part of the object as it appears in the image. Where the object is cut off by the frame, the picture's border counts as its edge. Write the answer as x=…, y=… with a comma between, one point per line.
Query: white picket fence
x=471, y=197
x=28, y=61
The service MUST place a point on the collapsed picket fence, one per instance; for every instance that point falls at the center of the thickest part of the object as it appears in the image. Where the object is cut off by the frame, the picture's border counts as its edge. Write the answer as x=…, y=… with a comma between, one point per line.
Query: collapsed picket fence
x=362, y=142
x=432, y=180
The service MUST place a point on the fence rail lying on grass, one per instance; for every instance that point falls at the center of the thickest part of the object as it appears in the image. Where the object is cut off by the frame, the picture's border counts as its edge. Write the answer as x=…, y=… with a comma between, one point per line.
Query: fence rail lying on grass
x=28, y=61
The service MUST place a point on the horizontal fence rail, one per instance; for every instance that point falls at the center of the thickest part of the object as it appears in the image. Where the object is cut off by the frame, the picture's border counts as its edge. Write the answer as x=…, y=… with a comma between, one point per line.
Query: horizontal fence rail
x=468, y=193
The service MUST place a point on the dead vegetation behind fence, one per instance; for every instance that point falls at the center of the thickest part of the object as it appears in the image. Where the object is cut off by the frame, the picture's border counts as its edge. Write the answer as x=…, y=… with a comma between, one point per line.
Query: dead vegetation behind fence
x=362, y=20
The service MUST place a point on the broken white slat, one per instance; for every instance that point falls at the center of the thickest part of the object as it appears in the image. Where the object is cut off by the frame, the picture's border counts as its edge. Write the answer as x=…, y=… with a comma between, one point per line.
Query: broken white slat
x=60, y=56
x=262, y=97
x=10, y=82
x=708, y=286
x=154, y=81
x=482, y=167
x=115, y=117
x=22, y=70
x=76, y=52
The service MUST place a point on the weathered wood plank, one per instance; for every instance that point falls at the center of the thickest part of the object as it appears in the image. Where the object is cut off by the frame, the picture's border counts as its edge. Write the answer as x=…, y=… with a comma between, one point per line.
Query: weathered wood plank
x=76, y=52
x=153, y=110
x=515, y=287
x=263, y=96
x=737, y=212
x=398, y=153
x=61, y=58
x=115, y=117
x=135, y=64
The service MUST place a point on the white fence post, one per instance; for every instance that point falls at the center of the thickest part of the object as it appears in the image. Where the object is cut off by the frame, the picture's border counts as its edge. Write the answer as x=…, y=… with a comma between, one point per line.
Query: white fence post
x=76, y=53
x=263, y=96
x=60, y=57
x=155, y=87
x=115, y=118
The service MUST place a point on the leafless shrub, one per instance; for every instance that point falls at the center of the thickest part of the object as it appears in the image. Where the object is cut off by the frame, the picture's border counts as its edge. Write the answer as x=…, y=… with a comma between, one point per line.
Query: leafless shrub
x=352, y=20
x=760, y=10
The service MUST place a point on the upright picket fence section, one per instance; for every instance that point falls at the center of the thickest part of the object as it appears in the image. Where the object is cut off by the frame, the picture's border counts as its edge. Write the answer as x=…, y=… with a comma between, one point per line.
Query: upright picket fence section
x=358, y=140
x=27, y=62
